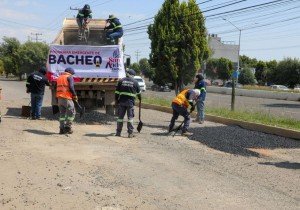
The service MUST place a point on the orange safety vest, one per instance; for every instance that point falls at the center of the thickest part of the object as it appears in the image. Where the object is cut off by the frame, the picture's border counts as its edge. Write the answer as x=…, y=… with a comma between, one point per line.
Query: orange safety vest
x=181, y=99
x=62, y=88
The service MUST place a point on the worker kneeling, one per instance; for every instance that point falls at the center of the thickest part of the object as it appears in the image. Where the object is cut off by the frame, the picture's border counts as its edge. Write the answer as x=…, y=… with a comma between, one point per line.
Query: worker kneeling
x=65, y=93
x=117, y=29
x=180, y=106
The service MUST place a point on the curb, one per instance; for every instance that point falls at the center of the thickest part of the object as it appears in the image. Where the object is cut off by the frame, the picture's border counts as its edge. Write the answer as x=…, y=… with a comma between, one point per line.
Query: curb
x=284, y=132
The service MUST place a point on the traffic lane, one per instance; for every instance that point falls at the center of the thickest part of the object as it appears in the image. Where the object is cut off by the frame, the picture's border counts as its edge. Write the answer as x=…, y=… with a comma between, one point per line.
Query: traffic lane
x=281, y=108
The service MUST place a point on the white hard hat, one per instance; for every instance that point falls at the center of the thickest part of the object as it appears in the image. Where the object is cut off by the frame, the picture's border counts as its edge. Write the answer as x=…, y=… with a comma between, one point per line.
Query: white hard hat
x=197, y=92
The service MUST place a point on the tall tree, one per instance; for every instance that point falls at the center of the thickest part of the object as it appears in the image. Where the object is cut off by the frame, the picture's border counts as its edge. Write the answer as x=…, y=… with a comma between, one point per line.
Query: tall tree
x=178, y=42
x=33, y=55
x=211, y=70
x=136, y=68
x=260, y=72
x=246, y=77
x=246, y=61
x=146, y=68
x=225, y=69
x=9, y=55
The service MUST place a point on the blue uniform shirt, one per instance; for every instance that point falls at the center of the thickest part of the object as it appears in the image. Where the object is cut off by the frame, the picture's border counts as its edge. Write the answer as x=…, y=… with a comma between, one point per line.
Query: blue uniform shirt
x=201, y=85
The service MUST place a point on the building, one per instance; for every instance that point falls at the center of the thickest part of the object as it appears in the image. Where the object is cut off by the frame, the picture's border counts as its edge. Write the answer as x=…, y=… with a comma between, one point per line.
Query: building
x=221, y=49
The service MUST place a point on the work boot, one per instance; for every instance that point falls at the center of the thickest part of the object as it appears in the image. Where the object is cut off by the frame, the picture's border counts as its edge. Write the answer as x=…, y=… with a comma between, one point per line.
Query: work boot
x=186, y=133
x=118, y=134
x=201, y=121
x=68, y=130
x=130, y=135
x=61, y=131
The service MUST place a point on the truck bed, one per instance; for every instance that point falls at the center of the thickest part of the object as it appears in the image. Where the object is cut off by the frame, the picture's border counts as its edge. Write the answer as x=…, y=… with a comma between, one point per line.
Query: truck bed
x=69, y=33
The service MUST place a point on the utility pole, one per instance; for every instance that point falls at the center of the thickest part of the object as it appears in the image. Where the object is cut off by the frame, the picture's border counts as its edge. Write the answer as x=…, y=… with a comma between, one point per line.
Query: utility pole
x=235, y=74
x=137, y=53
x=36, y=36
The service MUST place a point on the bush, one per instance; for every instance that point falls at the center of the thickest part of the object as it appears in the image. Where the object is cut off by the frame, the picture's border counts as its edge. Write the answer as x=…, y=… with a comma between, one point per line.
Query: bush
x=247, y=77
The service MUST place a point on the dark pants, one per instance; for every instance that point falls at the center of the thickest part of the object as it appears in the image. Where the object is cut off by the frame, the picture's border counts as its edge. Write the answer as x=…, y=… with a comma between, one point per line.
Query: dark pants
x=114, y=35
x=122, y=109
x=80, y=22
x=36, y=105
x=180, y=110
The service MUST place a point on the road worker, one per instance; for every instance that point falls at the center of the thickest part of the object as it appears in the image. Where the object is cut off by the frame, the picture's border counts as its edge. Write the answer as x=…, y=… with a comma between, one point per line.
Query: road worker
x=126, y=92
x=35, y=85
x=180, y=106
x=65, y=93
x=200, y=85
x=83, y=17
x=116, y=26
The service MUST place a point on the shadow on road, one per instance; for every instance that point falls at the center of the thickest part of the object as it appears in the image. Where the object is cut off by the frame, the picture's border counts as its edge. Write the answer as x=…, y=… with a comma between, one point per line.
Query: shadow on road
x=286, y=164
x=91, y=117
x=238, y=141
x=46, y=112
x=39, y=132
x=99, y=135
x=291, y=106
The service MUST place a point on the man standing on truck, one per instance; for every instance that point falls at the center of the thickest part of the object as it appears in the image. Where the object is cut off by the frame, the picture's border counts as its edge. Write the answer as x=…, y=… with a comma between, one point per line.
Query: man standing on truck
x=116, y=26
x=180, y=106
x=83, y=18
x=126, y=92
x=65, y=93
x=35, y=85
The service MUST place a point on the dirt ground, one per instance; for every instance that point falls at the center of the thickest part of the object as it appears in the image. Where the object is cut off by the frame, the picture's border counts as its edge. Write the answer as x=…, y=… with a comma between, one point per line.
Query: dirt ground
x=220, y=167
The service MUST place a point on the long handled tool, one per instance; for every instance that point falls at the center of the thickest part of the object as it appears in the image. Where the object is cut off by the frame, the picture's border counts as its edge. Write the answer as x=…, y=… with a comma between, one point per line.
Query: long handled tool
x=81, y=109
x=140, y=125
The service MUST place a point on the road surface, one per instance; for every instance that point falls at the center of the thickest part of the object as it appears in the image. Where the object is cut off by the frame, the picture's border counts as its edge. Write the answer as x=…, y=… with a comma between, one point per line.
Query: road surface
x=219, y=167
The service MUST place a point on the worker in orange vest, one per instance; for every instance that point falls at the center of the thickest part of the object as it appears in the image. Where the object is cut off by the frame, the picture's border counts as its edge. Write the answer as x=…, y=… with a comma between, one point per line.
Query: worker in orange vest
x=180, y=106
x=65, y=93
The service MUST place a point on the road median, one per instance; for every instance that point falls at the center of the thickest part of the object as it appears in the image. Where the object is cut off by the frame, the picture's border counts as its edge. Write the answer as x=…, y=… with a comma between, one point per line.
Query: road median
x=284, y=132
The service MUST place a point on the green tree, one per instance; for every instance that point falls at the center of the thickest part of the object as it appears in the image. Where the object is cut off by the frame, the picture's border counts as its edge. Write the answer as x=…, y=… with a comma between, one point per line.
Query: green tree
x=211, y=70
x=287, y=72
x=246, y=77
x=33, y=55
x=9, y=55
x=136, y=68
x=1, y=67
x=146, y=68
x=178, y=42
x=246, y=61
x=224, y=69
x=260, y=72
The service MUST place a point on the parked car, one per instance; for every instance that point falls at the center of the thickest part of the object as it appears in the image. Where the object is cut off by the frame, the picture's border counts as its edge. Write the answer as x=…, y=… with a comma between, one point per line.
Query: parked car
x=161, y=88
x=141, y=82
x=297, y=88
x=279, y=87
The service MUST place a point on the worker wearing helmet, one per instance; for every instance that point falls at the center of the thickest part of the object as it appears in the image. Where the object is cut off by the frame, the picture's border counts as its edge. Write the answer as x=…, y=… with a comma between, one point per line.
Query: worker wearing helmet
x=180, y=106
x=65, y=93
x=84, y=16
x=116, y=26
x=126, y=92
x=200, y=85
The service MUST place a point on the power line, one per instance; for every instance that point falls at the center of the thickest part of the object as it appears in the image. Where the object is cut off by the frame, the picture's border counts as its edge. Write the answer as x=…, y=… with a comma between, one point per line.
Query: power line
x=273, y=48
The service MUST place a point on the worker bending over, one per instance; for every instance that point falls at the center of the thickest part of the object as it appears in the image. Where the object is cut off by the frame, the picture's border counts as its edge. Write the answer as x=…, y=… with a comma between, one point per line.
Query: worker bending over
x=180, y=106
x=117, y=29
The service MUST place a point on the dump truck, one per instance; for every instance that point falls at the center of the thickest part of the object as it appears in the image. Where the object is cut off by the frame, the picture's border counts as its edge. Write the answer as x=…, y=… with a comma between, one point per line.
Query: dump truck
x=98, y=63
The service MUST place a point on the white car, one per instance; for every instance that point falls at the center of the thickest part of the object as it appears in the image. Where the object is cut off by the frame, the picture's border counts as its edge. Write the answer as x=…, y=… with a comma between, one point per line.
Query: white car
x=141, y=82
x=279, y=87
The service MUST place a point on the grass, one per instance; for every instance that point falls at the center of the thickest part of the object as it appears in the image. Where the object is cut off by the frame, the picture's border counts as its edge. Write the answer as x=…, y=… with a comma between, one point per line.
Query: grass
x=255, y=87
x=255, y=117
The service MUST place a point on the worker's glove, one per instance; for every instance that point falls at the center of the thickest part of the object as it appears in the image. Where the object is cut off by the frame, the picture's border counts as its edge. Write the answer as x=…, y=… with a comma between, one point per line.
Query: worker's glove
x=192, y=108
x=75, y=98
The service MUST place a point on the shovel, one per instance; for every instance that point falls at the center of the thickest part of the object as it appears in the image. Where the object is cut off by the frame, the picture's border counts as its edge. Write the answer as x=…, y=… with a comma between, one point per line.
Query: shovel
x=140, y=125
x=80, y=108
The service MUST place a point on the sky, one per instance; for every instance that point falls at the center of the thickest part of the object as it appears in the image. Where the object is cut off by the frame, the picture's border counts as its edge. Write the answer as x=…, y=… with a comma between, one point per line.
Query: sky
x=271, y=31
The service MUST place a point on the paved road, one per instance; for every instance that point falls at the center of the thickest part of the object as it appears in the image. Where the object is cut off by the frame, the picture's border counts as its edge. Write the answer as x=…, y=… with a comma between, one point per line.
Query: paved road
x=289, y=109
x=219, y=167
